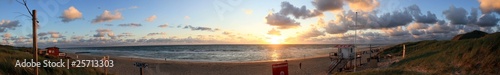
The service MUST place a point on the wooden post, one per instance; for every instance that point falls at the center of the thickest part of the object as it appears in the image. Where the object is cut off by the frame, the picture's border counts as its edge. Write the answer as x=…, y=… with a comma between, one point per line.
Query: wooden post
x=142, y=72
x=404, y=50
x=35, y=47
x=141, y=66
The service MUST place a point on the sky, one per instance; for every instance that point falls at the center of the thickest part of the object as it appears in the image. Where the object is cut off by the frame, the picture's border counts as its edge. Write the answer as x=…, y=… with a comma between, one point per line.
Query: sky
x=83, y=23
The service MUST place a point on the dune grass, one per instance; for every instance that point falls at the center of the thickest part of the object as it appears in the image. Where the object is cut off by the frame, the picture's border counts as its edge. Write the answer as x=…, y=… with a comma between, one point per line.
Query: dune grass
x=469, y=56
x=9, y=55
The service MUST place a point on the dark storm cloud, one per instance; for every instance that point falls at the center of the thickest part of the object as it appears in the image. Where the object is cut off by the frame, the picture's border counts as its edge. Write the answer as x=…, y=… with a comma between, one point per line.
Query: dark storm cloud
x=397, y=18
x=328, y=5
x=419, y=17
x=472, y=19
x=302, y=12
x=487, y=20
x=457, y=16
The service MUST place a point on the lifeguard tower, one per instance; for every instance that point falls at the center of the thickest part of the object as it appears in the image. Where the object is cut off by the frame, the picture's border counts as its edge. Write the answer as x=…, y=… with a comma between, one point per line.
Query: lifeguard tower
x=343, y=59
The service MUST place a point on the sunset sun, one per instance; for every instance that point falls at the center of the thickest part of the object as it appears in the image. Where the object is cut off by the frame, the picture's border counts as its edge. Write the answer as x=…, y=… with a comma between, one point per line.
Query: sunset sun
x=276, y=40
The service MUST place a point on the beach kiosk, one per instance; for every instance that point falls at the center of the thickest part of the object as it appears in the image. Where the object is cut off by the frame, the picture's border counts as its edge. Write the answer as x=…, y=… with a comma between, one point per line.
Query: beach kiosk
x=345, y=54
x=53, y=51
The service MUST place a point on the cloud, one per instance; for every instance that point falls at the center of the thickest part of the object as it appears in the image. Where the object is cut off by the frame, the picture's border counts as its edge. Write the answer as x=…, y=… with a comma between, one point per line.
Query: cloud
x=108, y=24
x=397, y=18
x=334, y=28
x=154, y=34
x=187, y=17
x=281, y=21
x=441, y=27
x=274, y=32
x=417, y=26
x=163, y=26
x=41, y=34
x=487, y=20
x=488, y=6
x=71, y=14
x=77, y=37
x=7, y=24
x=125, y=35
x=107, y=16
x=54, y=34
x=200, y=28
x=370, y=20
x=398, y=31
x=472, y=19
x=226, y=33
x=372, y=37
x=103, y=32
x=328, y=5
x=457, y=16
x=6, y=36
x=364, y=19
x=130, y=25
x=151, y=18
x=429, y=18
x=302, y=12
x=417, y=32
x=311, y=32
x=363, y=5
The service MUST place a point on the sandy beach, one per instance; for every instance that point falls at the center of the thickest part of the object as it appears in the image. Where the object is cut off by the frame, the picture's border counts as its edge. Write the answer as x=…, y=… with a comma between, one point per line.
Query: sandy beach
x=124, y=66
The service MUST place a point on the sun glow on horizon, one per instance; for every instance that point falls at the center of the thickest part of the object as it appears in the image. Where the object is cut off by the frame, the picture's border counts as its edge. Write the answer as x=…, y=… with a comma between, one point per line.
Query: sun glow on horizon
x=276, y=40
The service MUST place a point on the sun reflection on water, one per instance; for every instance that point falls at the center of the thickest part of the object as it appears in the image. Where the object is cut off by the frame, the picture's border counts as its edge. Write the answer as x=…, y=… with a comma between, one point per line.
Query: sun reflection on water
x=275, y=55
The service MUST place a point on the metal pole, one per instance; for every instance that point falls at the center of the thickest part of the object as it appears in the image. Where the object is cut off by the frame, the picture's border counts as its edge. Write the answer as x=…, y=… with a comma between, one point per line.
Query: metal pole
x=35, y=47
x=356, y=37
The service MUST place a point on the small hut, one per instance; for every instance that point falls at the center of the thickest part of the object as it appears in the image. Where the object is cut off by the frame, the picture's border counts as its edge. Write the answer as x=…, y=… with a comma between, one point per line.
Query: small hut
x=53, y=51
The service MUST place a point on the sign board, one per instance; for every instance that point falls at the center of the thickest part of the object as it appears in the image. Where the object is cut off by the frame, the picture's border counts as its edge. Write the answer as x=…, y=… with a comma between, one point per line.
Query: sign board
x=280, y=69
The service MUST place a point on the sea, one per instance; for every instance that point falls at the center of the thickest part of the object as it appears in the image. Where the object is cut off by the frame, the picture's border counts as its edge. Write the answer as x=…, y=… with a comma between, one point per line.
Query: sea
x=214, y=53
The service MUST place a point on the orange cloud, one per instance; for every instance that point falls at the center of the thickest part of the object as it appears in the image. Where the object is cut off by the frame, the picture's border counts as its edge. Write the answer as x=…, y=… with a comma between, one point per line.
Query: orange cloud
x=151, y=18
x=488, y=6
x=363, y=5
x=71, y=14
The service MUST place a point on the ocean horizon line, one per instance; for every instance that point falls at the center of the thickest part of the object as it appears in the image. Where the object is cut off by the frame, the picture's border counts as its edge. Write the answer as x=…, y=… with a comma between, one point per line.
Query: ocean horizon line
x=200, y=45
